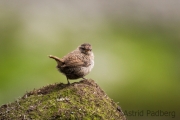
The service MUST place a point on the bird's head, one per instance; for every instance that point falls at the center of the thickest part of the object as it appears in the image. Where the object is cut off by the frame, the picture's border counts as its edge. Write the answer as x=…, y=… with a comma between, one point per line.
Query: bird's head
x=86, y=48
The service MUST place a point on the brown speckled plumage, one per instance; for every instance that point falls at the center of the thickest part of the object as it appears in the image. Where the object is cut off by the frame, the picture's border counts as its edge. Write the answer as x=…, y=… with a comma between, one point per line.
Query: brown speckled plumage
x=77, y=63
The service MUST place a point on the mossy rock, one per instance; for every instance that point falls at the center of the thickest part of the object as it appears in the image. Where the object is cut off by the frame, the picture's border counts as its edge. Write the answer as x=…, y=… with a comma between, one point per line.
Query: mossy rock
x=83, y=100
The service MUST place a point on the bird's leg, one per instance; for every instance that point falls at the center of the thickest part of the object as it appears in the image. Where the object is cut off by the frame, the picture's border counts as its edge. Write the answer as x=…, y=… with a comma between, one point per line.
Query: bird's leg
x=68, y=80
x=84, y=78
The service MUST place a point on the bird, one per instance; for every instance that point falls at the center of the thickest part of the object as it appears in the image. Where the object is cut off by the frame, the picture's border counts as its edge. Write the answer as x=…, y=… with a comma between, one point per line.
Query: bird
x=76, y=64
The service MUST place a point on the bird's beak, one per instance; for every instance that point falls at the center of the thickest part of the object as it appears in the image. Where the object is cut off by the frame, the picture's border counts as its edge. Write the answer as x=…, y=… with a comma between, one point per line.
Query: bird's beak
x=89, y=49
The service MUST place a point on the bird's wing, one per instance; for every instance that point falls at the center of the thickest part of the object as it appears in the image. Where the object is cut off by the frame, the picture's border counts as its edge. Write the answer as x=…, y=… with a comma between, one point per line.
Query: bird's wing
x=75, y=60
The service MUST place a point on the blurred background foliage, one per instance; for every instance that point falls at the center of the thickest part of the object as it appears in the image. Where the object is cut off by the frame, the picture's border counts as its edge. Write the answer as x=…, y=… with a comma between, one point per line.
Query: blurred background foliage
x=136, y=46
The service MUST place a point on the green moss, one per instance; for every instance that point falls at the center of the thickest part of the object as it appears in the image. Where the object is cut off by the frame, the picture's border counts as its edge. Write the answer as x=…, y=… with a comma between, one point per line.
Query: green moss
x=82, y=100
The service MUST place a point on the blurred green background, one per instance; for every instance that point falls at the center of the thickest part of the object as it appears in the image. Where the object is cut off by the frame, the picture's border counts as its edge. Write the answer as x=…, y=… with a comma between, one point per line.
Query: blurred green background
x=136, y=46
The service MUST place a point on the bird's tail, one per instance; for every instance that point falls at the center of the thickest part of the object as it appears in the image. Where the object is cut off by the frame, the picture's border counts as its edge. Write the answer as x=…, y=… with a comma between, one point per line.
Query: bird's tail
x=58, y=60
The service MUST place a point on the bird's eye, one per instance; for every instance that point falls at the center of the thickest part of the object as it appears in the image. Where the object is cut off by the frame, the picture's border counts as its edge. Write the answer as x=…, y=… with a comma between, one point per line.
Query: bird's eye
x=83, y=48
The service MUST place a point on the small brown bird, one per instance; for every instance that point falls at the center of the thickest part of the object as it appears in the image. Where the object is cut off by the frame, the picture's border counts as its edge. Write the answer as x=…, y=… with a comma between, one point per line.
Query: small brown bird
x=77, y=63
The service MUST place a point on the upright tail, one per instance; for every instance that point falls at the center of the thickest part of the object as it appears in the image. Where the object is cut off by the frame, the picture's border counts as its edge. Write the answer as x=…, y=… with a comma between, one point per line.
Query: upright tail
x=58, y=60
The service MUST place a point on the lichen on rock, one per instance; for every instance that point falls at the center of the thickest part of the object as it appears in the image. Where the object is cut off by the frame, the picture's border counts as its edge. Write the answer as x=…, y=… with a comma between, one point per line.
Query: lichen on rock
x=83, y=100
